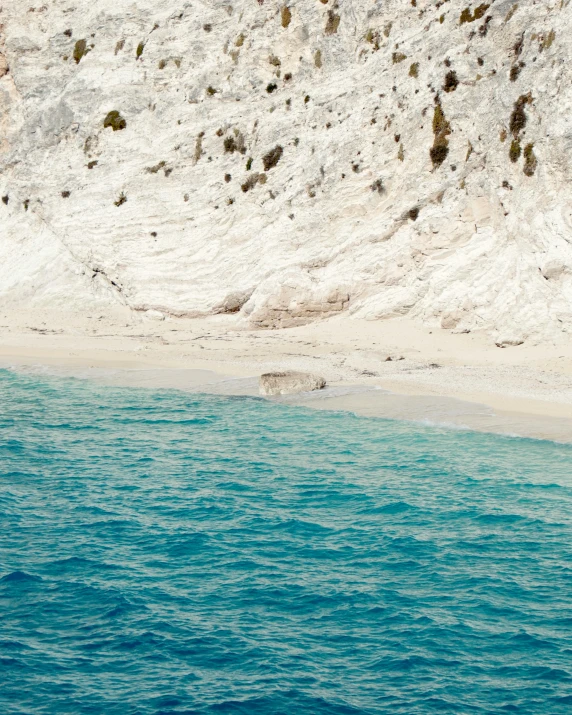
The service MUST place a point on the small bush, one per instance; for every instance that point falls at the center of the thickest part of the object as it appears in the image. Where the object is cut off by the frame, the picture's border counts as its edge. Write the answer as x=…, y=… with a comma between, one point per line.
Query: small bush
x=439, y=152
x=272, y=157
x=514, y=72
x=484, y=28
x=250, y=183
x=91, y=164
x=413, y=213
x=139, y=50
x=530, y=160
x=378, y=186
x=198, y=147
x=518, y=45
x=547, y=40
x=318, y=58
x=468, y=16
x=235, y=143
x=155, y=169
x=518, y=117
x=286, y=16
x=398, y=57
x=441, y=129
x=511, y=12
x=517, y=120
x=115, y=121
x=332, y=23
x=66, y=194
x=440, y=124
x=514, y=151
x=121, y=200
x=451, y=81
x=480, y=11
x=80, y=50
x=373, y=39
x=414, y=70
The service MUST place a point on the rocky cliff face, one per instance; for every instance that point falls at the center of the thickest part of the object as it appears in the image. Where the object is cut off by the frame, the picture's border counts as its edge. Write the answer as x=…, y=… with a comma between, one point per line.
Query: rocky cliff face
x=290, y=161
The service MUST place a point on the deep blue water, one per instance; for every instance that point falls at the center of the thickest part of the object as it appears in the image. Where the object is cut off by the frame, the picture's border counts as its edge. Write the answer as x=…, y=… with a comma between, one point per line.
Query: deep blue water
x=163, y=552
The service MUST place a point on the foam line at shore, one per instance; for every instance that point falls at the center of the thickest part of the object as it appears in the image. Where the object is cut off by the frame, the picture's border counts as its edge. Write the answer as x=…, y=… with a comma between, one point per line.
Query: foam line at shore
x=362, y=400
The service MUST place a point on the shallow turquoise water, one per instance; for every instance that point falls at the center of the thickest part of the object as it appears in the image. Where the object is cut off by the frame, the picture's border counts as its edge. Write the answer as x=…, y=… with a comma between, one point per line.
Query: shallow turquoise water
x=162, y=552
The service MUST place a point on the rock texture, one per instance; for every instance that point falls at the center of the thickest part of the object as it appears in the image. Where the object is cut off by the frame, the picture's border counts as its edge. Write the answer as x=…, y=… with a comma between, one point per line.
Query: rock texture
x=290, y=161
x=289, y=383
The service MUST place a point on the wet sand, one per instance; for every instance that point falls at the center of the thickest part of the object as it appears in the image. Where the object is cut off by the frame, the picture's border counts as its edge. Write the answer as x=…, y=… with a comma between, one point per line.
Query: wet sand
x=393, y=369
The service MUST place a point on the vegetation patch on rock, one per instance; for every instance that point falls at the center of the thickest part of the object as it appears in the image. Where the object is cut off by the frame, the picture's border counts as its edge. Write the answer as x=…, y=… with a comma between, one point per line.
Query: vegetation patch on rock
x=468, y=16
x=332, y=23
x=251, y=182
x=234, y=143
x=530, y=161
x=441, y=130
x=451, y=81
x=272, y=157
x=518, y=117
x=115, y=121
x=80, y=50
x=514, y=151
x=286, y=16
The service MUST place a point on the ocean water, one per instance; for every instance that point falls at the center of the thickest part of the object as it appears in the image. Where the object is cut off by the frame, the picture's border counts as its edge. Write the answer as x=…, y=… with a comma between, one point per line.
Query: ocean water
x=164, y=552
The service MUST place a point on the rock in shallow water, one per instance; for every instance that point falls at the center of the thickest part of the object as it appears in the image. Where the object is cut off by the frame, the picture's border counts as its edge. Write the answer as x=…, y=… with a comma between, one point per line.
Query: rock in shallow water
x=289, y=382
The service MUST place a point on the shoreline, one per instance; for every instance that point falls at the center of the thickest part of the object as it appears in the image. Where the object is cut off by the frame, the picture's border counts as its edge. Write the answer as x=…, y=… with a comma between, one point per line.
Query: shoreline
x=393, y=369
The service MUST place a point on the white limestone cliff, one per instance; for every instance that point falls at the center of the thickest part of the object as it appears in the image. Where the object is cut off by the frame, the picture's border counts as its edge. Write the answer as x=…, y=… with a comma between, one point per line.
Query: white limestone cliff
x=290, y=161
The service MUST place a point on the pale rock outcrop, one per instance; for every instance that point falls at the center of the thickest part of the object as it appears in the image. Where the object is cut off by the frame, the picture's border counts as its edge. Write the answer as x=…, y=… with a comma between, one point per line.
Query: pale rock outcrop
x=289, y=383
x=370, y=158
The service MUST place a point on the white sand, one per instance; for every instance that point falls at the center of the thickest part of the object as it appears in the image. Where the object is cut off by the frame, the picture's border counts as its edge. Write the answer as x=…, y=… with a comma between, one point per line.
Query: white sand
x=459, y=380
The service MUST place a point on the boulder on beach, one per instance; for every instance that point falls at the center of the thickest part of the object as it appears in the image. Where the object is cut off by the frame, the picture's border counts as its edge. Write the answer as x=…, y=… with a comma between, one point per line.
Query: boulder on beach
x=289, y=382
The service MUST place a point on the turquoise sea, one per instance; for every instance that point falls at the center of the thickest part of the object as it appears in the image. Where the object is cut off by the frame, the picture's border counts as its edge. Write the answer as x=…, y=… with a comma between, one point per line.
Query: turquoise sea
x=167, y=553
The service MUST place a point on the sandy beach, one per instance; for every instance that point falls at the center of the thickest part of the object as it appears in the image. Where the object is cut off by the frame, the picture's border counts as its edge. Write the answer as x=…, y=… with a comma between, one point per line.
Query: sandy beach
x=395, y=369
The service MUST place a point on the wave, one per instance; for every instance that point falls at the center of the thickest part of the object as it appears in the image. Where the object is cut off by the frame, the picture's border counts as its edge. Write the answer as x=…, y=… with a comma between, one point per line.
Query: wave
x=192, y=554
x=20, y=577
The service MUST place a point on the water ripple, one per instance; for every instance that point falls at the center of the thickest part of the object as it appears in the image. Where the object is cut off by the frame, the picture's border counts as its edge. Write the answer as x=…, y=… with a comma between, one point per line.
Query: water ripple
x=166, y=554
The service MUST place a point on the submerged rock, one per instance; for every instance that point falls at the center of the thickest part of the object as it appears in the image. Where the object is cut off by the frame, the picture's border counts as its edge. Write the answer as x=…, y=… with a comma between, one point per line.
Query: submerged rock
x=289, y=382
